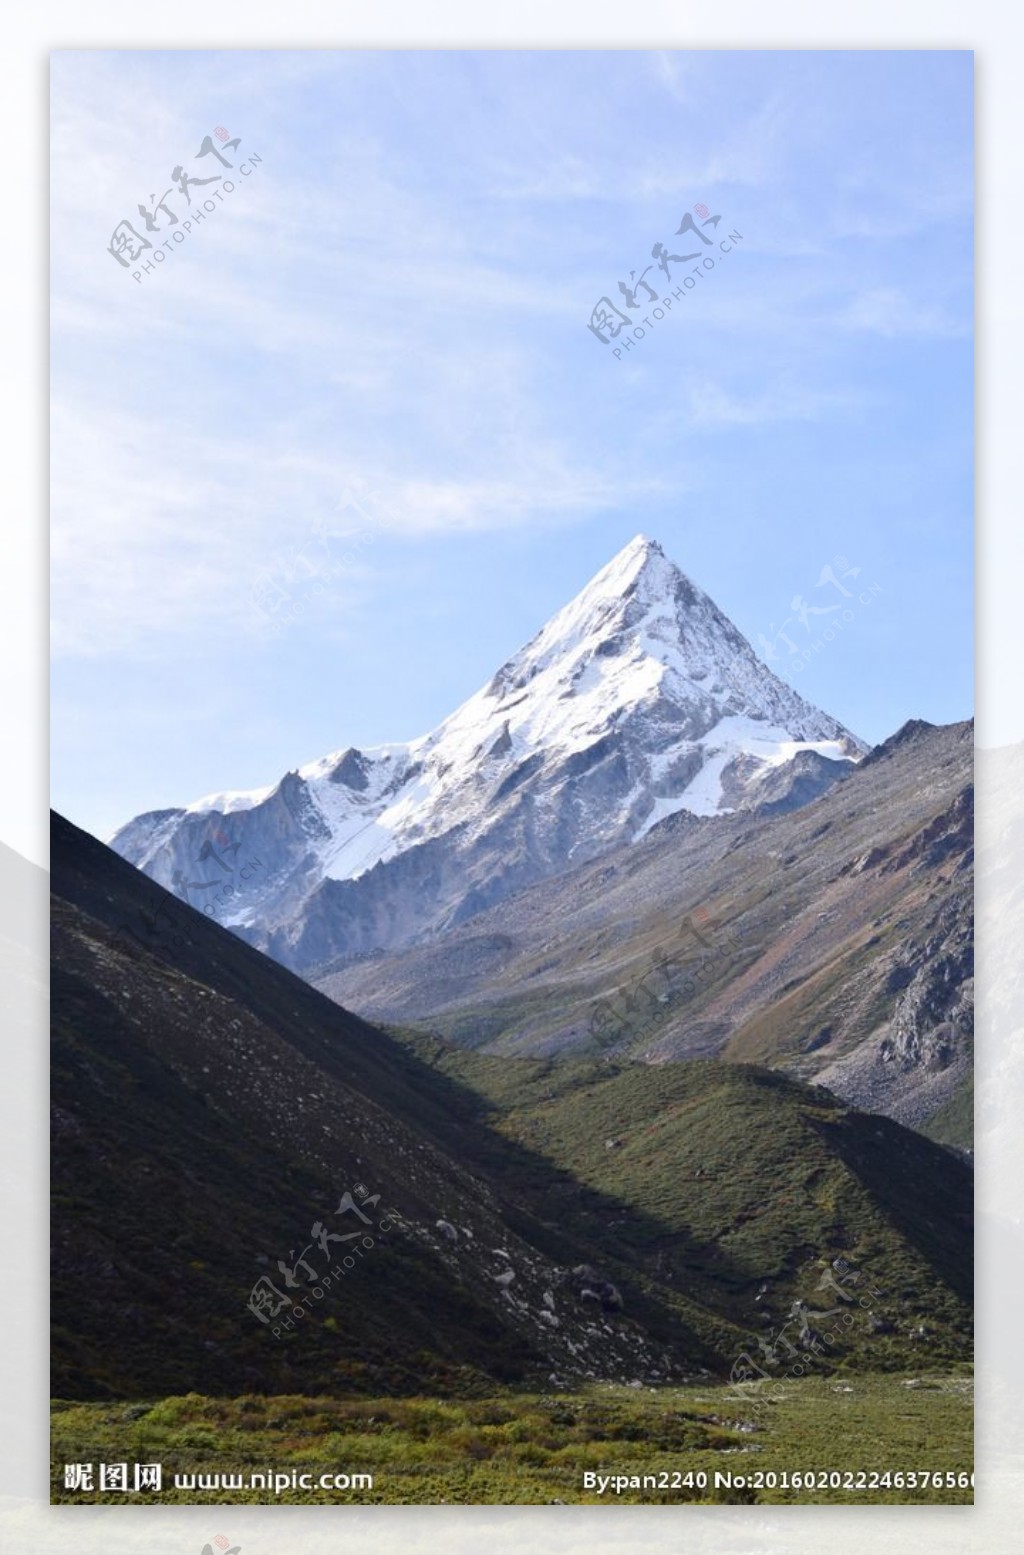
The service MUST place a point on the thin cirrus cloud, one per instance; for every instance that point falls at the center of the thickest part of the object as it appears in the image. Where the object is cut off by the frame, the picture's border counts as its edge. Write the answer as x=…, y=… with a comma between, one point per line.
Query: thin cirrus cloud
x=887, y=310
x=172, y=549
x=711, y=405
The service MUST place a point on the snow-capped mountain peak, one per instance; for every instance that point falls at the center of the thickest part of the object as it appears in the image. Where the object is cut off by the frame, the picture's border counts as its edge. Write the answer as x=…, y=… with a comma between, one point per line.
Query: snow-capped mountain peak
x=637, y=699
x=638, y=578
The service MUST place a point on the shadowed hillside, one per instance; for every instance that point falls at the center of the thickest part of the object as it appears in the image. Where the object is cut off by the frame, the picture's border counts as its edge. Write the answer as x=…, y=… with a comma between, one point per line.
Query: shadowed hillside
x=211, y=1111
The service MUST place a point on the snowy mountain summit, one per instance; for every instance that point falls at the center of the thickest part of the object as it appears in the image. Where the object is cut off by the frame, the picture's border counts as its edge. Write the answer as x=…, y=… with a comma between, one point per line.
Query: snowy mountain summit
x=637, y=700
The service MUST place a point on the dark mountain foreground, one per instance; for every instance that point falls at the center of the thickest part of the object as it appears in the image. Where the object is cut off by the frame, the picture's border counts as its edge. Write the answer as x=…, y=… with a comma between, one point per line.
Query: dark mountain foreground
x=529, y=1224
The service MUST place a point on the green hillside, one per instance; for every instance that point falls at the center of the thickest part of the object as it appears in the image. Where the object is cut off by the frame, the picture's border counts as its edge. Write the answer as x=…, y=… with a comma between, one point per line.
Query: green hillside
x=740, y=1181
x=588, y=1221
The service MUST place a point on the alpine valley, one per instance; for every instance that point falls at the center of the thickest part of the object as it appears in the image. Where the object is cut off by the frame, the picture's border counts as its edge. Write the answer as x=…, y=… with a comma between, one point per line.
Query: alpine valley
x=635, y=1000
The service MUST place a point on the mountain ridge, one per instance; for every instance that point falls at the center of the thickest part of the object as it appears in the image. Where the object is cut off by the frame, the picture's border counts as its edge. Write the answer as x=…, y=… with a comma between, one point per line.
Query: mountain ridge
x=833, y=940
x=638, y=699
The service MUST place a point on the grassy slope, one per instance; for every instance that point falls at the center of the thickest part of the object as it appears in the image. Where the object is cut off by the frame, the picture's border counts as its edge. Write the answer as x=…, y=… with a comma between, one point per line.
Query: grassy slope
x=735, y=1176
x=953, y=1124
x=520, y=1449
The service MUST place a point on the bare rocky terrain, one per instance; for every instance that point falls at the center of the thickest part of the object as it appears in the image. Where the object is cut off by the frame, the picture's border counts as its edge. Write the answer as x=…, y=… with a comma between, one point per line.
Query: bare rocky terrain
x=833, y=941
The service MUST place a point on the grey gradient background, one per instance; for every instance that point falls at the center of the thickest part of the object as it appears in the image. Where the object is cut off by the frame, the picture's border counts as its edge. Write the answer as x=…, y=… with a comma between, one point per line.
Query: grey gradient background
x=27, y=1524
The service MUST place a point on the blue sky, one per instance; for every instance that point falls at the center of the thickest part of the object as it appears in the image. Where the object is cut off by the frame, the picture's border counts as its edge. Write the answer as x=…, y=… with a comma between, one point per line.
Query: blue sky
x=391, y=309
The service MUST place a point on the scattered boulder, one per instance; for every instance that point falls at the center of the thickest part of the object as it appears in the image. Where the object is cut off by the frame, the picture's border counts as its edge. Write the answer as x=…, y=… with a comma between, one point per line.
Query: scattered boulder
x=593, y=1288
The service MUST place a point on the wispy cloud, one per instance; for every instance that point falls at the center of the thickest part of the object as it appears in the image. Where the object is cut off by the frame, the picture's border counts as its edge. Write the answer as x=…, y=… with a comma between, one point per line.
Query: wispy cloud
x=887, y=310
x=175, y=545
x=711, y=405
